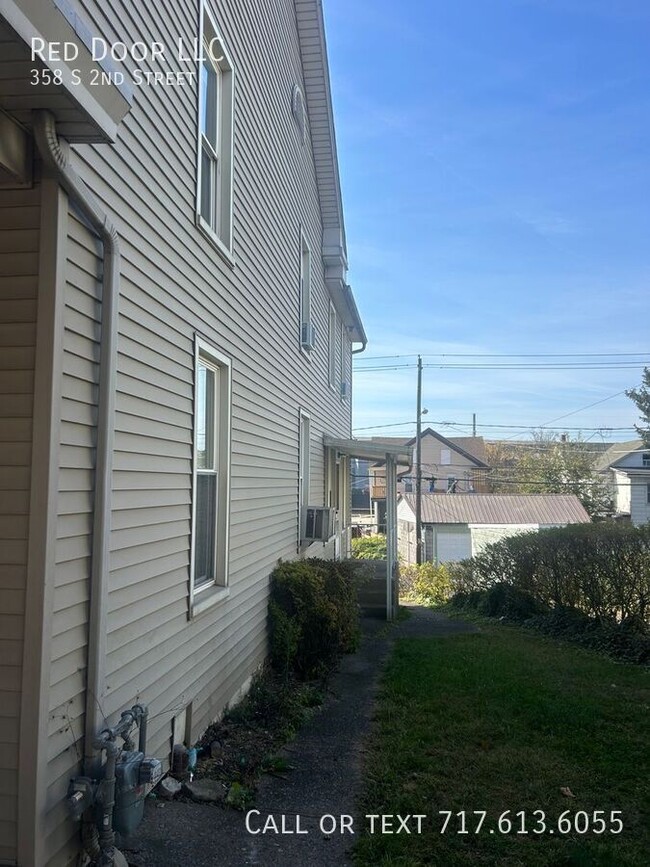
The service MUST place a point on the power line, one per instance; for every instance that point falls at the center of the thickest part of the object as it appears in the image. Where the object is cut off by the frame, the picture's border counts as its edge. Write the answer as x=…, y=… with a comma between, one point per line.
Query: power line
x=510, y=355
x=578, y=365
x=589, y=406
x=500, y=426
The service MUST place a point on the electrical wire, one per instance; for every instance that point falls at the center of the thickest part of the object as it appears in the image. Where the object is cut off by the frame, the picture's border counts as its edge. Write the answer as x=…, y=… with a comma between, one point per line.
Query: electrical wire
x=578, y=365
x=510, y=355
x=529, y=427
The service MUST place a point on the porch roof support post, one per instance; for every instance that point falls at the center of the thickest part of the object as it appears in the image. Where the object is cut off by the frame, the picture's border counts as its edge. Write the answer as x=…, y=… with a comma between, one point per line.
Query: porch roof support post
x=391, y=534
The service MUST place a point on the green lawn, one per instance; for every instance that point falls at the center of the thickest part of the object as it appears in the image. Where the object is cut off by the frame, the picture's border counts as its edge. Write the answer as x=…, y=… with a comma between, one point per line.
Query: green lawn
x=499, y=721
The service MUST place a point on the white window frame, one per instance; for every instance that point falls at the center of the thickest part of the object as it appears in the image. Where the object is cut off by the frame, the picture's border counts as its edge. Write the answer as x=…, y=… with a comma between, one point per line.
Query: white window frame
x=331, y=347
x=305, y=289
x=645, y=459
x=445, y=457
x=304, y=468
x=219, y=228
x=210, y=592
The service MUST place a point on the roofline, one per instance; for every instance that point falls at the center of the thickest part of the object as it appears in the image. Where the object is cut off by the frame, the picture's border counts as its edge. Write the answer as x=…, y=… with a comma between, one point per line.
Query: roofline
x=451, y=445
x=616, y=465
x=334, y=250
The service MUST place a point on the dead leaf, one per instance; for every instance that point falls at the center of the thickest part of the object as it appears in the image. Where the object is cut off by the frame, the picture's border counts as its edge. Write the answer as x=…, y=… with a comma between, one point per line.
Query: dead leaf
x=566, y=791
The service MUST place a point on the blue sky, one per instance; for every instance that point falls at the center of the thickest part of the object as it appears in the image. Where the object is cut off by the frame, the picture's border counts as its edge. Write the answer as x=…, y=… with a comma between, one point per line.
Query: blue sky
x=495, y=164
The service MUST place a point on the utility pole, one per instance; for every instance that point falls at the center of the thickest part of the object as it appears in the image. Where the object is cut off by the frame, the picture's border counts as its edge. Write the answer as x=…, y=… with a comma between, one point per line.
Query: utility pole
x=474, y=424
x=418, y=470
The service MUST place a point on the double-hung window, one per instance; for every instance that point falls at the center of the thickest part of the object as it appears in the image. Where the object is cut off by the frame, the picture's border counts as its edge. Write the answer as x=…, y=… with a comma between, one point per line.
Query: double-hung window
x=216, y=115
x=209, y=566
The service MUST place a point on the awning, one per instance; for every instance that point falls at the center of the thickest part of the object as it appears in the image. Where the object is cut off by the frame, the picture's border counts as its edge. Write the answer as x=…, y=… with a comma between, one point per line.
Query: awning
x=85, y=110
x=392, y=455
x=367, y=451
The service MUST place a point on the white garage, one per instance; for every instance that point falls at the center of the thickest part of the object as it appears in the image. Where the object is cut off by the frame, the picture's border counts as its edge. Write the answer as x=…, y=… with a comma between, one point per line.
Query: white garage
x=458, y=526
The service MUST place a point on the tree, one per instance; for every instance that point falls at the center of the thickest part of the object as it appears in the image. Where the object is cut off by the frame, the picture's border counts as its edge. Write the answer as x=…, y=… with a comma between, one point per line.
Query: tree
x=641, y=397
x=550, y=465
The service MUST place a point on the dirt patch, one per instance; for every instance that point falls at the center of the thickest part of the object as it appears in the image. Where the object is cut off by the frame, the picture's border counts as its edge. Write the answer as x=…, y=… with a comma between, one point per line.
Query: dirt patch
x=242, y=746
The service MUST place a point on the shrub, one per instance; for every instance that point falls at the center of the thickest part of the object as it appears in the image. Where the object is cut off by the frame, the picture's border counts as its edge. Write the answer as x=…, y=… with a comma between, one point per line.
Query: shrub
x=601, y=569
x=504, y=600
x=313, y=615
x=426, y=583
x=369, y=547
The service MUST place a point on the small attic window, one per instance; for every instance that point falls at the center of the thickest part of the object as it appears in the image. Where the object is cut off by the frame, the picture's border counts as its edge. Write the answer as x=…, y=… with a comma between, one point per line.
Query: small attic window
x=298, y=111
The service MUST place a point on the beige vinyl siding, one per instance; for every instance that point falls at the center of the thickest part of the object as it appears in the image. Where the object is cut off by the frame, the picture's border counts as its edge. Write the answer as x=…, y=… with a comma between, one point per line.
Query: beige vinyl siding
x=80, y=368
x=174, y=284
x=19, y=243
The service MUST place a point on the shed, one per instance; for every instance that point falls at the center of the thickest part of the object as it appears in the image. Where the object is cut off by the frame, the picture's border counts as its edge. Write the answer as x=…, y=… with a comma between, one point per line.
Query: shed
x=458, y=526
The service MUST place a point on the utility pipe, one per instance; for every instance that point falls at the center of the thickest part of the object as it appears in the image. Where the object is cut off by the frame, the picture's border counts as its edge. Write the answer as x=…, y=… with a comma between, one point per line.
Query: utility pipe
x=56, y=158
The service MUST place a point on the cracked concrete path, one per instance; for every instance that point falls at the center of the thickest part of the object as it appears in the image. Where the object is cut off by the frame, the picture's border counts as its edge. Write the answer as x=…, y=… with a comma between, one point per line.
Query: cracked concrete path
x=326, y=779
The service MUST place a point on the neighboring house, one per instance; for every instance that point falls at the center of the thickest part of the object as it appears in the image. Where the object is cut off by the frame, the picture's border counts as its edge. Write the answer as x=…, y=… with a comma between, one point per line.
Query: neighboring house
x=176, y=333
x=626, y=467
x=449, y=465
x=458, y=527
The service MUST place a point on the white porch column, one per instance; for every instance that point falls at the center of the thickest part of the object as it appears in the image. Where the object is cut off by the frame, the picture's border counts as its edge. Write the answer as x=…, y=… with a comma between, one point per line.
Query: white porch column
x=391, y=535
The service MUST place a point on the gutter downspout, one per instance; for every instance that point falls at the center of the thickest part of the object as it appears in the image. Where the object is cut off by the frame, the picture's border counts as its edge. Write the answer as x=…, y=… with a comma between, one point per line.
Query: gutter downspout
x=57, y=159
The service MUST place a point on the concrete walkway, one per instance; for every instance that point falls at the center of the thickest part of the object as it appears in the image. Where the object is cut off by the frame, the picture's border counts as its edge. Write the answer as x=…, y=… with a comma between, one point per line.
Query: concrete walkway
x=326, y=780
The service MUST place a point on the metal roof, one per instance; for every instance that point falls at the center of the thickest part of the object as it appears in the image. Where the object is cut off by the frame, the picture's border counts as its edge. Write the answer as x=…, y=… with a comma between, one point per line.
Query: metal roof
x=500, y=508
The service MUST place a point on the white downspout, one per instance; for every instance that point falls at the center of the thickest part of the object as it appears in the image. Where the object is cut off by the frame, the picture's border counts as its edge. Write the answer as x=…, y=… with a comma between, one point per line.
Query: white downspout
x=56, y=158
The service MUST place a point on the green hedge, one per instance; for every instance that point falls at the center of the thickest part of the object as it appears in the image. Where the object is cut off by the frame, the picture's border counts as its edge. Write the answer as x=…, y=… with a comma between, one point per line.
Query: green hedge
x=313, y=615
x=426, y=583
x=602, y=570
x=369, y=547
x=588, y=583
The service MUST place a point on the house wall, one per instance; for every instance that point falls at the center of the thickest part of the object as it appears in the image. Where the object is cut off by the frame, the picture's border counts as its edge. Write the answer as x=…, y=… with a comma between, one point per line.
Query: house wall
x=19, y=263
x=464, y=470
x=406, y=542
x=639, y=506
x=448, y=542
x=486, y=534
x=174, y=284
x=76, y=462
x=469, y=476
x=622, y=491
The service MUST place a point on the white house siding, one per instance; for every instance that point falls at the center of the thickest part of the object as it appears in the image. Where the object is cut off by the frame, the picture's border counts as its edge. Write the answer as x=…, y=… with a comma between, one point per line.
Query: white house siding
x=639, y=506
x=173, y=285
x=485, y=535
x=406, y=544
x=622, y=492
x=451, y=543
x=19, y=244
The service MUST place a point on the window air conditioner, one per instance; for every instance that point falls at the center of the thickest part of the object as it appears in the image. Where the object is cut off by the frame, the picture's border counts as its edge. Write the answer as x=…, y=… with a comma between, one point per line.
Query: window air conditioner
x=318, y=523
x=308, y=336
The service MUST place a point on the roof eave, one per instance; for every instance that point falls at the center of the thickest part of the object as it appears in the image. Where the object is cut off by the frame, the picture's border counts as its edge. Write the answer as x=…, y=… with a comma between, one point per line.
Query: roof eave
x=318, y=96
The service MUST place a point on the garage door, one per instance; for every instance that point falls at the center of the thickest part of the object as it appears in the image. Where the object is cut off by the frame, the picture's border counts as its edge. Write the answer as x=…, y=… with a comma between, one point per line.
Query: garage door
x=453, y=545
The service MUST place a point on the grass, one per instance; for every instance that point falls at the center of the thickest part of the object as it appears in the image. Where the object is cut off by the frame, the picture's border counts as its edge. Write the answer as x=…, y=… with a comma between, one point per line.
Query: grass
x=503, y=720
